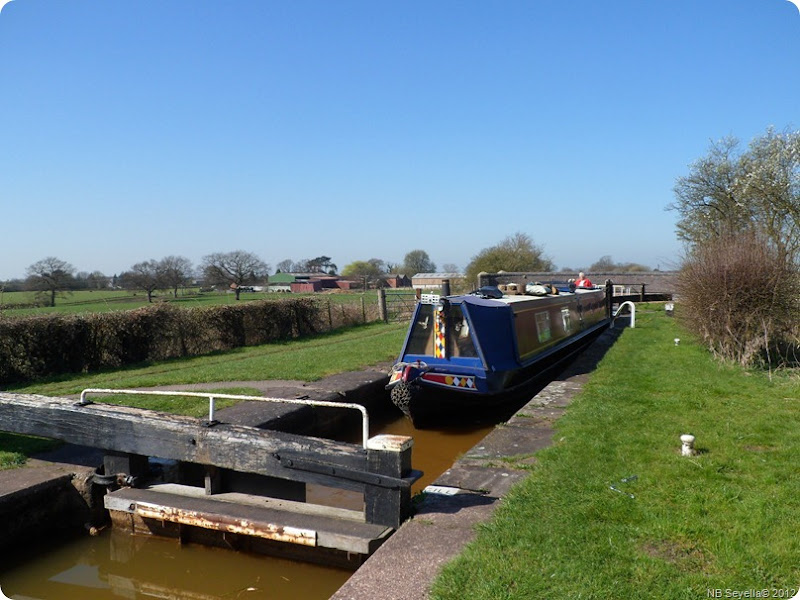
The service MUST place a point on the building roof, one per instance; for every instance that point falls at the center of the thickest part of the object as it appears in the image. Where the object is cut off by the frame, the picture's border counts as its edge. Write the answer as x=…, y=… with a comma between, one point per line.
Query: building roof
x=439, y=275
x=282, y=278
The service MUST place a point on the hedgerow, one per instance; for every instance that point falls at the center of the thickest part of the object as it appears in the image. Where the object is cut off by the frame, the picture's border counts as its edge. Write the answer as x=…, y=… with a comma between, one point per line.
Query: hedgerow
x=740, y=297
x=41, y=346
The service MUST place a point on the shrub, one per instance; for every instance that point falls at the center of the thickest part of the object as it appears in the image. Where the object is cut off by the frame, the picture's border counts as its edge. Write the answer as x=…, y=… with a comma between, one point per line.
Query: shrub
x=740, y=296
x=41, y=346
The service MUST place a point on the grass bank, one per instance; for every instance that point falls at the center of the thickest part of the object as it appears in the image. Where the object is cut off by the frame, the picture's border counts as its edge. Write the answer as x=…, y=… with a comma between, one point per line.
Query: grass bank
x=612, y=510
x=307, y=359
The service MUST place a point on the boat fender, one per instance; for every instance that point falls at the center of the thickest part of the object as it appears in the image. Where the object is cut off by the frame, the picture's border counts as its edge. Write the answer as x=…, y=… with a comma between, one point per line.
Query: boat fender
x=402, y=395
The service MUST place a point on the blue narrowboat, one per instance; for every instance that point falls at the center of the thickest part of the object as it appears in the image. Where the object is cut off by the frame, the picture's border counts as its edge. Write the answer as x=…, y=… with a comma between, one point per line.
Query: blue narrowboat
x=471, y=352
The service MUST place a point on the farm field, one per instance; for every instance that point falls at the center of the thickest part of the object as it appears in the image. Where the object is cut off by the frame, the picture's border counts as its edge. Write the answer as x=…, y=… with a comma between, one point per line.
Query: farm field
x=18, y=304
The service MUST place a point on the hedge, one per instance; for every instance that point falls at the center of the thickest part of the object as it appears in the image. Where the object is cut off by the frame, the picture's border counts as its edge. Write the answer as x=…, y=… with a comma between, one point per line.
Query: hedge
x=42, y=346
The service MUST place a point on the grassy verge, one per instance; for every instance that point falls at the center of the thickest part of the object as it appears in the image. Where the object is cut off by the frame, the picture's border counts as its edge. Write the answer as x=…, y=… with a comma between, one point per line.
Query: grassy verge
x=674, y=527
x=306, y=360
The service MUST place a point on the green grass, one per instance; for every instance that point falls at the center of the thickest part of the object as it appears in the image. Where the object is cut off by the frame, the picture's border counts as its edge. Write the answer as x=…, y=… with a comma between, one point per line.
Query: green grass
x=192, y=406
x=112, y=300
x=306, y=359
x=725, y=519
x=15, y=449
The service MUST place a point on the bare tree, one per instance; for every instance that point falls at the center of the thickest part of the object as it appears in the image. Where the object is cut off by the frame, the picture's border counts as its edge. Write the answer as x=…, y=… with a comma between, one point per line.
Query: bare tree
x=235, y=269
x=605, y=264
x=175, y=272
x=50, y=276
x=285, y=266
x=730, y=192
x=97, y=280
x=301, y=266
x=418, y=261
x=145, y=276
x=379, y=264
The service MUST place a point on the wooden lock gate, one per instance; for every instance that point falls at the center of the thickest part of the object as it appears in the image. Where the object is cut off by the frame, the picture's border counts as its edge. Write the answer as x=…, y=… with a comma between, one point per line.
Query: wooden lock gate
x=247, y=486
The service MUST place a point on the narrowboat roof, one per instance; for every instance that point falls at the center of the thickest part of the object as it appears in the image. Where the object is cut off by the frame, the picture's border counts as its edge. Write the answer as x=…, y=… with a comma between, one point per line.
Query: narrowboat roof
x=512, y=299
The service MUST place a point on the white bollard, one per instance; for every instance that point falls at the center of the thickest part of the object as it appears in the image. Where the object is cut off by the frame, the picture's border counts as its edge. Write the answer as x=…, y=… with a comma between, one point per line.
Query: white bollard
x=687, y=445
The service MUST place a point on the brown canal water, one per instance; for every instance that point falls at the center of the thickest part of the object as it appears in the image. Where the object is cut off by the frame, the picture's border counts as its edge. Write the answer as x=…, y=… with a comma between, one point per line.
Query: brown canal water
x=114, y=565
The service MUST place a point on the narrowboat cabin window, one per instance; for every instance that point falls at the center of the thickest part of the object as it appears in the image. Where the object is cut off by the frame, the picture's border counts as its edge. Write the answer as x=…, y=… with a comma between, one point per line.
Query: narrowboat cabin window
x=420, y=341
x=457, y=331
x=543, y=327
x=460, y=342
x=565, y=320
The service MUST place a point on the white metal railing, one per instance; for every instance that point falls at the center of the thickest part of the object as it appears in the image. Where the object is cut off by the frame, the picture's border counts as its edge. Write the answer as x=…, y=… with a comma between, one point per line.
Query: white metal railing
x=212, y=396
x=630, y=305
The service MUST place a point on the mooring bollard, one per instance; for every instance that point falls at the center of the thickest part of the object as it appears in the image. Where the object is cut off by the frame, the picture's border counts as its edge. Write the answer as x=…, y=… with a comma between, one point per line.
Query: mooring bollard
x=687, y=445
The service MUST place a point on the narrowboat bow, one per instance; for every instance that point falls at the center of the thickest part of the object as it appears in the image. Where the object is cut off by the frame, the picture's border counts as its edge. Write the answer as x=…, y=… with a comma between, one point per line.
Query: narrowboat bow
x=471, y=353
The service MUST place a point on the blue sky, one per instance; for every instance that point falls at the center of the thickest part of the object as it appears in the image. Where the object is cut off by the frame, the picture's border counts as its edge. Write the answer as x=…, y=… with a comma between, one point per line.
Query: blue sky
x=360, y=129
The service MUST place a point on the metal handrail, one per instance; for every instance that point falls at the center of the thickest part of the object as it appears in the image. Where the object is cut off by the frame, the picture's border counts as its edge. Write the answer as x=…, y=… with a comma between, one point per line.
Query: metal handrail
x=212, y=396
x=632, y=307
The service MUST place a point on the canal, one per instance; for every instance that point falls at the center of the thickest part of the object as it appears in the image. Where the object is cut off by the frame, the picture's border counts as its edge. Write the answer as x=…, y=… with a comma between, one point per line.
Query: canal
x=113, y=566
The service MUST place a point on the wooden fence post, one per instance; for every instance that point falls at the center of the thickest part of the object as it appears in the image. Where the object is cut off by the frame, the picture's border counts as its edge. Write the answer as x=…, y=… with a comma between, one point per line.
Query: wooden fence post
x=382, y=313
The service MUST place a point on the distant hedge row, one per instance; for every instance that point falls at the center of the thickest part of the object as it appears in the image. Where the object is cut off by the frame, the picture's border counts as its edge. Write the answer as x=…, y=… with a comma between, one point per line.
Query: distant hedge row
x=42, y=346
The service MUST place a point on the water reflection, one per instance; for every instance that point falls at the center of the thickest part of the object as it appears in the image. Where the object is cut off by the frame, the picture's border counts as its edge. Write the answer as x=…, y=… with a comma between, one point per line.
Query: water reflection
x=435, y=450
x=116, y=566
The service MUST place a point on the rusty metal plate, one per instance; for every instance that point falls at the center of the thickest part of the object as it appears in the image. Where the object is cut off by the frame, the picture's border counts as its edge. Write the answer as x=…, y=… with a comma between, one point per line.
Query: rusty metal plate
x=217, y=522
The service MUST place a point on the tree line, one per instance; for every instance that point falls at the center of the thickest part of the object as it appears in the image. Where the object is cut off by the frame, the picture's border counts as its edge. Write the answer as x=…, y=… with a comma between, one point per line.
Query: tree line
x=53, y=277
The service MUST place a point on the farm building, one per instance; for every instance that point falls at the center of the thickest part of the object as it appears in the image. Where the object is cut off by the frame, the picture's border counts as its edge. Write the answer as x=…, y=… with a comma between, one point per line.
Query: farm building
x=281, y=282
x=433, y=281
x=305, y=287
x=306, y=283
x=395, y=280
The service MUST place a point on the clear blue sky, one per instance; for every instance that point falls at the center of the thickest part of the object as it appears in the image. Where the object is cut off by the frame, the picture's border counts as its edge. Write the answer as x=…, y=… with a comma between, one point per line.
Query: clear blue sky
x=132, y=130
